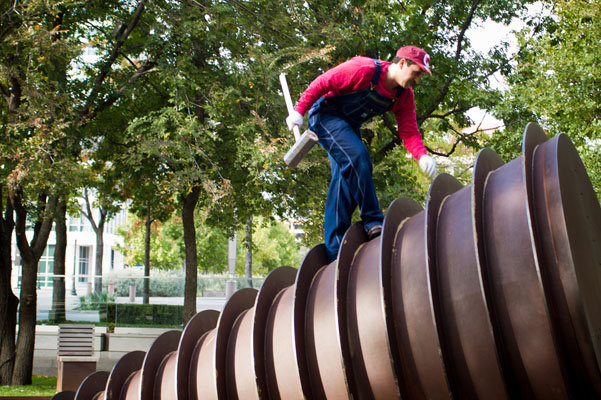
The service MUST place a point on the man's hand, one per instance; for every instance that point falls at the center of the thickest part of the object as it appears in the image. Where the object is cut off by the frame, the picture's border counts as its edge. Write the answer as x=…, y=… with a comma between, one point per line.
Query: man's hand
x=427, y=164
x=294, y=119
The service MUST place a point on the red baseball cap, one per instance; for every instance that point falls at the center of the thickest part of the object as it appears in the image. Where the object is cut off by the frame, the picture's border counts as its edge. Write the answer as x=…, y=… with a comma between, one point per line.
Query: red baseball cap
x=417, y=55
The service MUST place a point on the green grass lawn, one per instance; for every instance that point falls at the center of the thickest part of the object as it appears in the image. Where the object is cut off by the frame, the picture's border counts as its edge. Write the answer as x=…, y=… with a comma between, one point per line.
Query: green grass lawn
x=41, y=386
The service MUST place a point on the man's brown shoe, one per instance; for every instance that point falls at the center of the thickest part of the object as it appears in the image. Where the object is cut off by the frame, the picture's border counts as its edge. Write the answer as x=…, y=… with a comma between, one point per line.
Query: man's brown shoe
x=374, y=232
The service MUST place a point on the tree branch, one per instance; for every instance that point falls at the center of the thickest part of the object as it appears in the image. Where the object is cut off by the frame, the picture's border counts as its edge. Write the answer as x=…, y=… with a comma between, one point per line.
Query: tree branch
x=462, y=137
x=268, y=26
x=40, y=238
x=8, y=23
x=16, y=194
x=144, y=69
x=88, y=210
x=37, y=225
x=31, y=253
x=107, y=66
x=459, y=48
x=8, y=222
x=453, y=111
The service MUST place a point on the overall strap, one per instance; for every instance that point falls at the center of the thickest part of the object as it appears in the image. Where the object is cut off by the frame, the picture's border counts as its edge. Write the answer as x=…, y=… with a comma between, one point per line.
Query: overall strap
x=376, y=77
x=399, y=90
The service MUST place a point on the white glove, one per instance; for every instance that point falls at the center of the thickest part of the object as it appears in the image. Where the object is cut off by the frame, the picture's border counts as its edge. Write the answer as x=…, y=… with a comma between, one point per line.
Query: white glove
x=294, y=119
x=427, y=164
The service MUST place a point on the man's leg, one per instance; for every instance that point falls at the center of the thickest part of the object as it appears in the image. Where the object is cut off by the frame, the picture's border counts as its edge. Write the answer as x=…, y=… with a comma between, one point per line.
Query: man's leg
x=340, y=205
x=345, y=148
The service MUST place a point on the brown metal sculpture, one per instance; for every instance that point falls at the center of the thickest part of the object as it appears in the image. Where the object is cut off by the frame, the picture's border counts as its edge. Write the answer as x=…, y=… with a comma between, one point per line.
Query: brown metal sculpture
x=493, y=291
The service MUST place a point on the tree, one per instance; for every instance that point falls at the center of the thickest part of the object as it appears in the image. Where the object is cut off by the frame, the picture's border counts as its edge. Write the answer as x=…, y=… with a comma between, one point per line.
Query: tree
x=30, y=251
x=57, y=312
x=198, y=81
x=185, y=136
x=31, y=62
x=556, y=79
x=9, y=301
x=304, y=39
x=273, y=247
x=165, y=243
x=221, y=71
x=107, y=204
x=180, y=170
x=151, y=203
x=47, y=111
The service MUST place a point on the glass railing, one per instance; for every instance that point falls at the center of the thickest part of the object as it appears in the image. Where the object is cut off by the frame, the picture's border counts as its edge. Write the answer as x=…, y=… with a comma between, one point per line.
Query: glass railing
x=121, y=301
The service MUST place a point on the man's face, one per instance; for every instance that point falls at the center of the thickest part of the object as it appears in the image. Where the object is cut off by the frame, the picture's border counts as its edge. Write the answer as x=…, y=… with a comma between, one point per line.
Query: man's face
x=408, y=75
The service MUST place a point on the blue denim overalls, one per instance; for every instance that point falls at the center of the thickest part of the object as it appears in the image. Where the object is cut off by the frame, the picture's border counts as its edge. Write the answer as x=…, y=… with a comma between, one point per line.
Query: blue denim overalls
x=337, y=120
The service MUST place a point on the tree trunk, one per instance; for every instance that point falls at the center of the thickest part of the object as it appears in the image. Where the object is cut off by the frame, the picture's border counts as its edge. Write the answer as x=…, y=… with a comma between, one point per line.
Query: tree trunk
x=146, y=291
x=27, y=320
x=8, y=300
x=30, y=255
x=99, y=231
x=57, y=312
x=191, y=282
x=248, y=244
x=9, y=328
x=7, y=297
x=99, y=253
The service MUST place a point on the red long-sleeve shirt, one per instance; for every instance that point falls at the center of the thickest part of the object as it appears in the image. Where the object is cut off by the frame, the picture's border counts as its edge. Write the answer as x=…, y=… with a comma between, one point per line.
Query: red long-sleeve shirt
x=355, y=75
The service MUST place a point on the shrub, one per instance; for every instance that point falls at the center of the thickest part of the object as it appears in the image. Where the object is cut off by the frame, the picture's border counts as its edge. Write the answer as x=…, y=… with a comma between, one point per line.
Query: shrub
x=143, y=314
x=94, y=302
x=163, y=283
x=171, y=283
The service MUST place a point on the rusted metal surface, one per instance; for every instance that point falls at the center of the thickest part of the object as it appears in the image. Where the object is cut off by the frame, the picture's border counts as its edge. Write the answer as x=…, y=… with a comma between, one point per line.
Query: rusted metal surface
x=415, y=300
x=64, y=395
x=276, y=282
x=464, y=311
x=93, y=386
x=368, y=336
x=517, y=290
x=212, y=356
x=368, y=303
x=326, y=338
x=165, y=384
x=568, y=226
x=196, y=327
x=202, y=359
x=493, y=291
x=131, y=387
x=239, y=356
x=245, y=375
x=286, y=366
x=153, y=368
x=122, y=370
x=398, y=213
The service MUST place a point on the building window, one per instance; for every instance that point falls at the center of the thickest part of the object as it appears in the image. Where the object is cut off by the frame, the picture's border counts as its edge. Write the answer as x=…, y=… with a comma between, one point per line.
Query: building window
x=46, y=267
x=84, y=263
x=116, y=221
x=79, y=224
x=112, y=259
